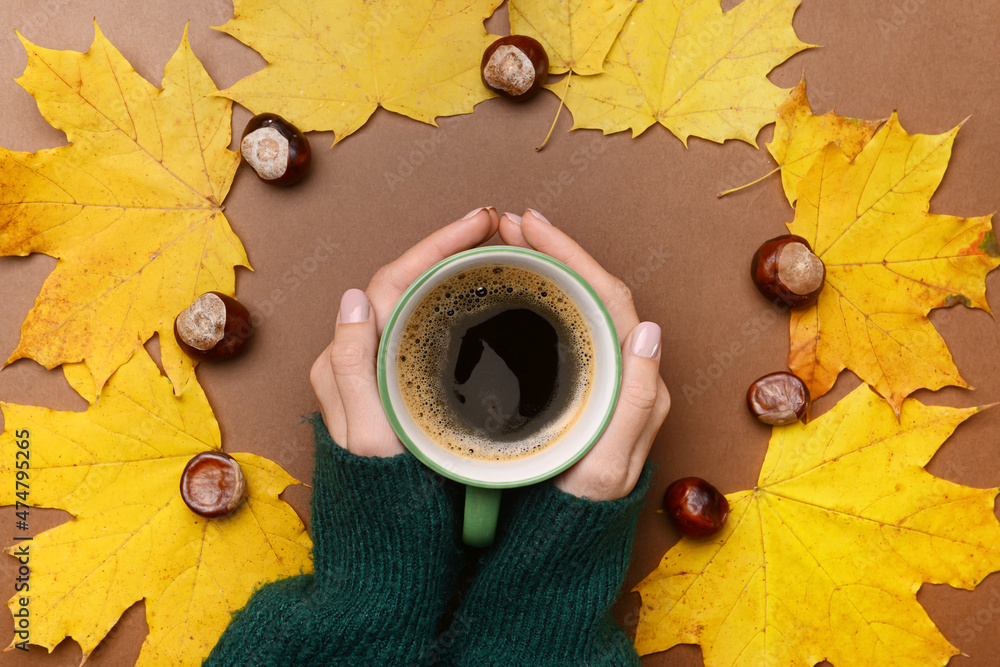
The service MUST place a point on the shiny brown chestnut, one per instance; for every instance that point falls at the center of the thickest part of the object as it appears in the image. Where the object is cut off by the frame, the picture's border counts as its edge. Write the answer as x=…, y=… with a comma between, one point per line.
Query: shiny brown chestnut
x=214, y=327
x=696, y=507
x=212, y=484
x=515, y=67
x=786, y=271
x=778, y=398
x=276, y=149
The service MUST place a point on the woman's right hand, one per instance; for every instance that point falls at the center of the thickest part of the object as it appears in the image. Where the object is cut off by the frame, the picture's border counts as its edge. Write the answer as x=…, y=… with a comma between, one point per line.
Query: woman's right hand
x=610, y=470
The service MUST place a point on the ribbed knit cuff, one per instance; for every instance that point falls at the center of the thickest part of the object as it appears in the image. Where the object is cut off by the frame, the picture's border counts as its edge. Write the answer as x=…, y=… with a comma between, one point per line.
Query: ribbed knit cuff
x=544, y=593
x=386, y=537
x=386, y=553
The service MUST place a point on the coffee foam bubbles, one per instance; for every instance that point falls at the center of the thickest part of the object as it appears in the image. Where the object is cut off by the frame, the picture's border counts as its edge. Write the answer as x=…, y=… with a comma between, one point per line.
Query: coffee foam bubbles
x=424, y=355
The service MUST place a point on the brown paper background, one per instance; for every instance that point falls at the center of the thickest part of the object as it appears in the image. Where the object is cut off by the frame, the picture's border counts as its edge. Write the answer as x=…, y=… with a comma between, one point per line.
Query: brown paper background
x=646, y=208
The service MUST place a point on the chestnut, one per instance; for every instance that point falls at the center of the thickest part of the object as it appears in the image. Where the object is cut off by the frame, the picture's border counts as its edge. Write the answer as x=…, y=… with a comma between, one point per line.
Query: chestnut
x=785, y=270
x=214, y=327
x=778, y=398
x=515, y=67
x=212, y=484
x=697, y=507
x=276, y=149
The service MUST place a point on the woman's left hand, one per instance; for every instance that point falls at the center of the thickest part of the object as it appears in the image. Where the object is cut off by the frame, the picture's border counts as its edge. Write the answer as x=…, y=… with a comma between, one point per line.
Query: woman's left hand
x=343, y=377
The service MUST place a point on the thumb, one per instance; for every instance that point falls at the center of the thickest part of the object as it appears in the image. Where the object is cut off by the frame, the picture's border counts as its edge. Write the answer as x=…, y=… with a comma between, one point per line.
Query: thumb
x=353, y=357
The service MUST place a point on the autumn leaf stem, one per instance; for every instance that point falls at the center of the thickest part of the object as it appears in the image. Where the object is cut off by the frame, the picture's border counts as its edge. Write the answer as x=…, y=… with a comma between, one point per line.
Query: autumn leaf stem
x=747, y=185
x=562, y=102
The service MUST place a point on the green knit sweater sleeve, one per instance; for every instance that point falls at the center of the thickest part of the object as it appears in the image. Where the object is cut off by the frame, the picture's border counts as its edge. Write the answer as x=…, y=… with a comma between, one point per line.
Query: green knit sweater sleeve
x=386, y=553
x=544, y=591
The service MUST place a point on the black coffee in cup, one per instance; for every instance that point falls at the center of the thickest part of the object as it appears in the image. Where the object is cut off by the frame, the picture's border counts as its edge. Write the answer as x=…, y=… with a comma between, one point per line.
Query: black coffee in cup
x=495, y=363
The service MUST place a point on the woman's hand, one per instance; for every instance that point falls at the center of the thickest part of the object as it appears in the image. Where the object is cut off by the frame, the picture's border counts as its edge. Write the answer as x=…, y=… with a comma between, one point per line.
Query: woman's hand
x=611, y=469
x=343, y=376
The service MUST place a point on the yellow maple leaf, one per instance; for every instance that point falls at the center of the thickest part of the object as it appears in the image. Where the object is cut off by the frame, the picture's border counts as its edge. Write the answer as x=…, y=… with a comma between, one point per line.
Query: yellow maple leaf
x=823, y=559
x=800, y=136
x=332, y=63
x=132, y=207
x=690, y=67
x=576, y=35
x=888, y=263
x=117, y=469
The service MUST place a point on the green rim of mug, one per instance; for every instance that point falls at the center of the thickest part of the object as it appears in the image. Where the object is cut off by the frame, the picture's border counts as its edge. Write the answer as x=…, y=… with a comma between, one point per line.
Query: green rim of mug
x=383, y=353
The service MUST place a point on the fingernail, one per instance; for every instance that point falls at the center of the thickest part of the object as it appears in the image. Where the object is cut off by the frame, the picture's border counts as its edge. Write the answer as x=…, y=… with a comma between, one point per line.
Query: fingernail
x=514, y=217
x=539, y=216
x=354, y=307
x=473, y=212
x=646, y=340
